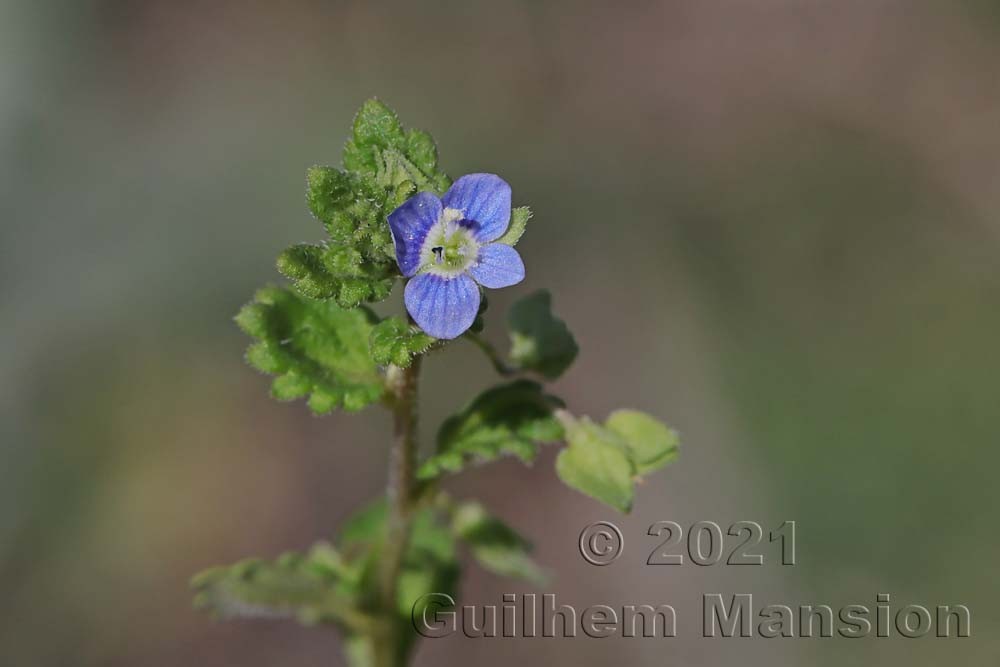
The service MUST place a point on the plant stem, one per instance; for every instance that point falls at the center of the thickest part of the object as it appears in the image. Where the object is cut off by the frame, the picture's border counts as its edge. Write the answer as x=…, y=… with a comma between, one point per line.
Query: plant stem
x=400, y=500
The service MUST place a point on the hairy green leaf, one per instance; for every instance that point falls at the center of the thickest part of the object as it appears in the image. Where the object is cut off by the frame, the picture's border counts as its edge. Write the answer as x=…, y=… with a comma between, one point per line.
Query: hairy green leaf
x=395, y=341
x=315, y=348
x=495, y=546
x=339, y=584
x=358, y=263
x=335, y=272
x=518, y=223
x=351, y=207
x=605, y=461
x=651, y=444
x=383, y=167
x=512, y=419
x=379, y=147
x=539, y=340
x=294, y=585
x=422, y=152
x=376, y=128
x=595, y=462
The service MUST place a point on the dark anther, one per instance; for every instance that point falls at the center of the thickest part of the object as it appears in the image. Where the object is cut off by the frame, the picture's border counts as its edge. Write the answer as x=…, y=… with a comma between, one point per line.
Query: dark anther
x=438, y=253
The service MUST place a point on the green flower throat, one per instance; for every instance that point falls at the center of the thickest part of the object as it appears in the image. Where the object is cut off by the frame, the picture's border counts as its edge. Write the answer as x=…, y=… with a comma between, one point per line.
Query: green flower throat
x=449, y=248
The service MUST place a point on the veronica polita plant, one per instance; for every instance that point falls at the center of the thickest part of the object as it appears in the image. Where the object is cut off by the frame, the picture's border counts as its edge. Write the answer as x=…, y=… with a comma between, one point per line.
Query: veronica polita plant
x=391, y=214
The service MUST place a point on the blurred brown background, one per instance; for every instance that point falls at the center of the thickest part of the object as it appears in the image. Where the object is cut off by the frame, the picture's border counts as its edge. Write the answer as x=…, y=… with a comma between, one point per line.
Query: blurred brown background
x=774, y=224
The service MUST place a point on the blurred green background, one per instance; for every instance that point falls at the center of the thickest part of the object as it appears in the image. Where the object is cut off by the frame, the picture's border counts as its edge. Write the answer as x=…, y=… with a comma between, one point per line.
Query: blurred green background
x=773, y=224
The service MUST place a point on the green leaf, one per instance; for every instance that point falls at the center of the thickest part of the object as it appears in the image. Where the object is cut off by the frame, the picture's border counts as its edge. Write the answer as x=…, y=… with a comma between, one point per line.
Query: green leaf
x=352, y=208
x=294, y=585
x=605, y=461
x=358, y=264
x=422, y=152
x=376, y=128
x=326, y=272
x=339, y=584
x=430, y=564
x=494, y=545
x=315, y=349
x=510, y=419
x=539, y=340
x=430, y=552
x=395, y=341
x=364, y=528
x=595, y=462
x=651, y=444
x=518, y=222
x=379, y=147
x=384, y=166
x=329, y=193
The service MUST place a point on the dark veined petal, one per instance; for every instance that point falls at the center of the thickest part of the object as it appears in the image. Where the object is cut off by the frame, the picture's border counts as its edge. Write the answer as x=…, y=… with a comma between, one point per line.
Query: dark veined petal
x=484, y=199
x=409, y=225
x=442, y=307
x=498, y=266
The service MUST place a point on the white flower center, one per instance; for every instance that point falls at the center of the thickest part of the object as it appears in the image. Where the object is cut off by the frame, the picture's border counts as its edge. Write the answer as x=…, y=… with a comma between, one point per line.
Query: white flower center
x=449, y=248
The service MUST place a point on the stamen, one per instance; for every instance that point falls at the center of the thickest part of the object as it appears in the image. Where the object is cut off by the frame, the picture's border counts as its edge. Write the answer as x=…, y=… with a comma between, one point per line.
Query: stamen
x=438, y=253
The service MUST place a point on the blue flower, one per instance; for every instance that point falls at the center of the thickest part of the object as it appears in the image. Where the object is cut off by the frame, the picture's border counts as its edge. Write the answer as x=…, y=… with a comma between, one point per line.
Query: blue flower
x=445, y=246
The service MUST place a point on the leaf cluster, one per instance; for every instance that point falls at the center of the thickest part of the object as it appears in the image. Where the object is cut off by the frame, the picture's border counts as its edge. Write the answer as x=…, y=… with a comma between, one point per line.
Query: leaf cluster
x=315, y=349
x=395, y=341
x=383, y=166
x=335, y=583
x=516, y=418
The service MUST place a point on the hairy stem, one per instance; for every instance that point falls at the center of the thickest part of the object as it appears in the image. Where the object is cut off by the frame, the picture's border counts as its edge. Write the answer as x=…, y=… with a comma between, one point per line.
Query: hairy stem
x=400, y=499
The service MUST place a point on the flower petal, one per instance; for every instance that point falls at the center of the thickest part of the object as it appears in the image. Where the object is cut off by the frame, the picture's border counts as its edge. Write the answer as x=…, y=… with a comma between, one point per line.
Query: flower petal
x=409, y=225
x=484, y=199
x=442, y=307
x=498, y=266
